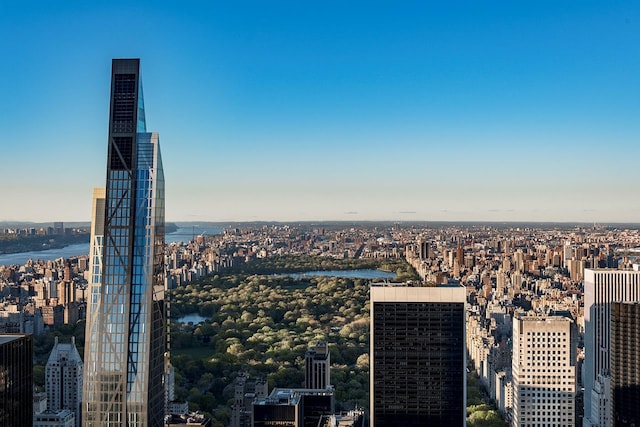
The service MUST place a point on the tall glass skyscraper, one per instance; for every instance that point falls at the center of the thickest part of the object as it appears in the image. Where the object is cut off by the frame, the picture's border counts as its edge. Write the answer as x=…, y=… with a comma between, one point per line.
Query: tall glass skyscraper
x=126, y=333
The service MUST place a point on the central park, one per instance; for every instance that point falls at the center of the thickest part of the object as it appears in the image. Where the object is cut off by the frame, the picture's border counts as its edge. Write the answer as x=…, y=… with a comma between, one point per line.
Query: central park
x=260, y=318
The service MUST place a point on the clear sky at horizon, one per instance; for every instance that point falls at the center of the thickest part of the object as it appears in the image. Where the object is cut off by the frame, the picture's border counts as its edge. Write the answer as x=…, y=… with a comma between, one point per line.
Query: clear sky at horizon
x=332, y=110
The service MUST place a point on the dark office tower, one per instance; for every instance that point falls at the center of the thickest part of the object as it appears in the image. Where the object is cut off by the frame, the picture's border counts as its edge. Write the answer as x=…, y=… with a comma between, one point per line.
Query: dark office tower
x=425, y=249
x=126, y=321
x=625, y=364
x=418, y=375
x=602, y=288
x=317, y=364
x=16, y=380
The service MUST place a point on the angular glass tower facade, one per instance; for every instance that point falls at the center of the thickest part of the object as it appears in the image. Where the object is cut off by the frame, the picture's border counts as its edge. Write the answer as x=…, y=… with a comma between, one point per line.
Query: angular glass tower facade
x=126, y=332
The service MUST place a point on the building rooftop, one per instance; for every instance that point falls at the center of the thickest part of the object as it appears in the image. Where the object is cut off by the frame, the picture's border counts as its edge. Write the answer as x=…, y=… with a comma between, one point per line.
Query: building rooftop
x=412, y=284
x=634, y=268
x=5, y=338
x=525, y=317
x=291, y=396
x=66, y=351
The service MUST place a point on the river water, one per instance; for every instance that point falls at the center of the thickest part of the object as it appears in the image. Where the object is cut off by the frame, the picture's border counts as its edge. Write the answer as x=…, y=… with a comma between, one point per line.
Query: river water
x=49, y=254
x=352, y=274
x=182, y=234
x=185, y=234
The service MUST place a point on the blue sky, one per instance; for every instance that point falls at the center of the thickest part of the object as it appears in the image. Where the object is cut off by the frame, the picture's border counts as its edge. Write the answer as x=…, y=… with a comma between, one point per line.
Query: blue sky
x=332, y=110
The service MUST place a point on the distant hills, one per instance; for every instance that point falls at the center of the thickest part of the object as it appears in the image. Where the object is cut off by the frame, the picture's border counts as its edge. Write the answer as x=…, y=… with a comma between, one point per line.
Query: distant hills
x=169, y=226
x=390, y=223
x=173, y=226
x=27, y=224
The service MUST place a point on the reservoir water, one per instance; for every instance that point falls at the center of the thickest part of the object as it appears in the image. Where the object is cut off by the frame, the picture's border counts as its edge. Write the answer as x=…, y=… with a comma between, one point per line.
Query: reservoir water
x=194, y=318
x=352, y=274
x=182, y=234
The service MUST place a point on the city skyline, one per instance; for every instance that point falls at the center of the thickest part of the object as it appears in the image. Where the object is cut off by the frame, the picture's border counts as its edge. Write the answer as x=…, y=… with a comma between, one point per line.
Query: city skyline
x=366, y=111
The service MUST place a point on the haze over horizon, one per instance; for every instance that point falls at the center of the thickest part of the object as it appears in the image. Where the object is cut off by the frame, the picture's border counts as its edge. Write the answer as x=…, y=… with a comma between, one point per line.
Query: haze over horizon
x=290, y=111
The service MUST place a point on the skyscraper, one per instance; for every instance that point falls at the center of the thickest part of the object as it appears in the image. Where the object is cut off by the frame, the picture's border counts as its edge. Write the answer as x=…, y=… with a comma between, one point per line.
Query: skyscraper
x=544, y=371
x=246, y=390
x=64, y=379
x=293, y=407
x=602, y=287
x=625, y=364
x=418, y=362
x=317, y=367
x=126, y=320
x=16, y=380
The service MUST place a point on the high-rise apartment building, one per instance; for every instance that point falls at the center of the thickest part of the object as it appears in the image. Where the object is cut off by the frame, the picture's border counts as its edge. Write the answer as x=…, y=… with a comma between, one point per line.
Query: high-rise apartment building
x=418, y=359
x=425, y=250
x=602, y=287
x=16, y=380
x=126, y=320
x=246, y=390
x=317, y=364
x=63, y=376
x=625, y=364
x=544, y=371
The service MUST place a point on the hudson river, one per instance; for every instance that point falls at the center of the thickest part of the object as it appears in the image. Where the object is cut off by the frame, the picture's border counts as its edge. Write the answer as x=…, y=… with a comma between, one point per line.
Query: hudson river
x=182, y=234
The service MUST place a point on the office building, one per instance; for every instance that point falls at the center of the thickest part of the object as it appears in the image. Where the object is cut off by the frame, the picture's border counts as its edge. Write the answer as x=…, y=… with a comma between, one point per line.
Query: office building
x=544, y=371
x=192, y=419
x=126, y=327
x=425, y=250
x=57, y=418
x=39, y=402
x=246, y=390
x=625, y=364
x=317, y=363
x=58, y=227
x=16, y=380
x=293, y=407
x=418, y=361
x=602, y=287
x=53, y=315
x=353, y=418
x=63, y=376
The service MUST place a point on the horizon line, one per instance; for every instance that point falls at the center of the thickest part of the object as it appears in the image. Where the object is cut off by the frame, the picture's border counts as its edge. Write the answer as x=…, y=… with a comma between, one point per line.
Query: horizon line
x=350, y=221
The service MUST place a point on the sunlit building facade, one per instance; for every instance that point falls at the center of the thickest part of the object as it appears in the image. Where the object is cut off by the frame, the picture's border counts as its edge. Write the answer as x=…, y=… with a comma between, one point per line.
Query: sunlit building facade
x=126, y=332
x=544, y=371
